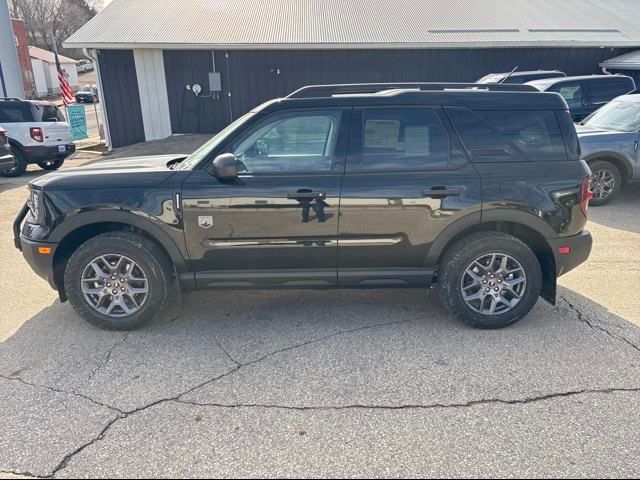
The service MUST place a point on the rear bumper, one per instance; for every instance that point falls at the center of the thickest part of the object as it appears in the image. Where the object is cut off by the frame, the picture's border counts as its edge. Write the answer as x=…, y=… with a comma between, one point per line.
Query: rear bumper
x=579, y=251
x=42, y=153
x=7, y=162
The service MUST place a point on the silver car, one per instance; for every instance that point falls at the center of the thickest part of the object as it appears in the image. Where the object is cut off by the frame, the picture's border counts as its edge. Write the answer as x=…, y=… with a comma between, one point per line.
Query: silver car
x=609, y=138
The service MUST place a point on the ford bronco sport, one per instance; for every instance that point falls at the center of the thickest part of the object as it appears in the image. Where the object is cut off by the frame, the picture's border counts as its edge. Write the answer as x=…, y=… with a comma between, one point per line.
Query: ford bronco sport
x=478, y=189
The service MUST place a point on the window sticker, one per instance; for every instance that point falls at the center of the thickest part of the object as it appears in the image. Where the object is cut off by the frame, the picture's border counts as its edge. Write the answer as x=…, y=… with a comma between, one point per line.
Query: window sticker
x=381, y=133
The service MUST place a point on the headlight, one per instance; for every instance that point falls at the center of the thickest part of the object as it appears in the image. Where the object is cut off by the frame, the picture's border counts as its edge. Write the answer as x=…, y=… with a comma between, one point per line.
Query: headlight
x=36, y=206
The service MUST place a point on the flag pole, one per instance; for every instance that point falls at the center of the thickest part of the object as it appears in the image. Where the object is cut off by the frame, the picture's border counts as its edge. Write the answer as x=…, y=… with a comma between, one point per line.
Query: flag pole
x=55, y=51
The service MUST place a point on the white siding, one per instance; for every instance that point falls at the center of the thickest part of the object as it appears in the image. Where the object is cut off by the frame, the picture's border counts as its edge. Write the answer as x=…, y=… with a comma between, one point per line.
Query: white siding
x=39, y=77
x=52, y=76
x=153, y=93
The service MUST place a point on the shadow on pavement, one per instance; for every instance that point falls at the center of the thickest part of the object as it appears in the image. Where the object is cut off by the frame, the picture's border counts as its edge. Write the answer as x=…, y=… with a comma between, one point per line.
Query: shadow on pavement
x=623, y=213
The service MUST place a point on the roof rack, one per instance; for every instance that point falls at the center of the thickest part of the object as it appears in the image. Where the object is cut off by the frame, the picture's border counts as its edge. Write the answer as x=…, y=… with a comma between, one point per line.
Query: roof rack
x=11, y=99
x=319, y=91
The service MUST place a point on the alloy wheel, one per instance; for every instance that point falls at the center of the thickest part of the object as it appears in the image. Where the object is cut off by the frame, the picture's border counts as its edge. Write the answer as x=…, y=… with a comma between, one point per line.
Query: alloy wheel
x=493, y=284
x=114, y=285
x=603, y=183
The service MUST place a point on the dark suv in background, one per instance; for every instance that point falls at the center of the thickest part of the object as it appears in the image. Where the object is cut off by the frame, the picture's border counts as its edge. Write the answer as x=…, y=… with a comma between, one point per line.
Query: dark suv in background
x=479, y=189
x=586, y=94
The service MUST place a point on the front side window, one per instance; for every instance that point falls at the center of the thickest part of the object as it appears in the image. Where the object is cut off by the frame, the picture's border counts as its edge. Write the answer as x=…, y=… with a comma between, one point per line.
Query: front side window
x=302, y=141
x=398, y=139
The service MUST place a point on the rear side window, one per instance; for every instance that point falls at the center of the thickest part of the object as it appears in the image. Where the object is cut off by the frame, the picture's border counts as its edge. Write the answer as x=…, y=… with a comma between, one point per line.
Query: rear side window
x=604, y=90
x=500, y=136
x=15, y=113
x=48, y=113
x=397, y=139
x=572, y=92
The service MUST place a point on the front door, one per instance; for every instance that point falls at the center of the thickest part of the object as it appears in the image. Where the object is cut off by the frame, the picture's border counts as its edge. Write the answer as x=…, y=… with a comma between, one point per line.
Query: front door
x=406, y=181
x=278, y=224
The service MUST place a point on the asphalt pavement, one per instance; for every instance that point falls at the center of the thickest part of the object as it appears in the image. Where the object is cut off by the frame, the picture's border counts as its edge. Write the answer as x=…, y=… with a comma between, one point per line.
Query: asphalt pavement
x=326, y=383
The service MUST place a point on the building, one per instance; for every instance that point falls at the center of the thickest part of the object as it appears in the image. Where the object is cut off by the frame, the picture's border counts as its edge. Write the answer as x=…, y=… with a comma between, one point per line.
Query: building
x=43, y=64
x=10, y=76
x=627, y=64
x=150, y=53
x=22, y=47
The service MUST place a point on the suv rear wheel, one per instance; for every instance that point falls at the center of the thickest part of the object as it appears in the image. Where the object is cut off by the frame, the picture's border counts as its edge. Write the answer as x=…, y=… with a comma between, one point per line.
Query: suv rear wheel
x=606, y=181
x=54, y=164
x=490, y=280
x=117, y=281
x=21, y=164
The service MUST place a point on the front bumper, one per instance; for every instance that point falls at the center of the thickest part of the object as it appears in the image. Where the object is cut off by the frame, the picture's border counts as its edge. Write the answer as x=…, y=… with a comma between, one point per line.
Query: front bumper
x=579, y=251
x=40, y=263
x=42, y=153
x=7, y=162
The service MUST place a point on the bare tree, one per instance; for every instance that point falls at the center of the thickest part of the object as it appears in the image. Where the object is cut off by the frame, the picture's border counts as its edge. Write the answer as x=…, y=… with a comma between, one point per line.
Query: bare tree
x=49, y=21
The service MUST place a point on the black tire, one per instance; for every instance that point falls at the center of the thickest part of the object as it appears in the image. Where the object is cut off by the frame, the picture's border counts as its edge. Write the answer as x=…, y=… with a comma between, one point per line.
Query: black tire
x=608, y=167
x=51, y=164
x=461, y=255
x=145, y=253
x=21, y=164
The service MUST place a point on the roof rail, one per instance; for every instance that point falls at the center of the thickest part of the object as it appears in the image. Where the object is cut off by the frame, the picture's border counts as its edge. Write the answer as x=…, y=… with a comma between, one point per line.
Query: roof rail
x=319, y=91
x=11, y=99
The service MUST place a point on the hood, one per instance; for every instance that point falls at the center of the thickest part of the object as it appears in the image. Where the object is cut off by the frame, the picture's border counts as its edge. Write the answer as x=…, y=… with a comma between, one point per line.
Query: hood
x=590, y=134
x=139, y=172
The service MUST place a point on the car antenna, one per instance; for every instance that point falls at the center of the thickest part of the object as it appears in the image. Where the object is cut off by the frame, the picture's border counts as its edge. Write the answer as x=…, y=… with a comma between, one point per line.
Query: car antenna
x=507, y=77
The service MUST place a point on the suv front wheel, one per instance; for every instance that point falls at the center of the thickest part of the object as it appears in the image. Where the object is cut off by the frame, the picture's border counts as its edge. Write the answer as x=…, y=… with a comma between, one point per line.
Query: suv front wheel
x=489, y=280
x=117, y=281
x=50, y=165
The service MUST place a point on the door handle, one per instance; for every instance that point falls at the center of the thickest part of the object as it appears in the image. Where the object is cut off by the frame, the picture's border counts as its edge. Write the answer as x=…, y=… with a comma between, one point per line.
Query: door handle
x=442, y=192
x=306, y=195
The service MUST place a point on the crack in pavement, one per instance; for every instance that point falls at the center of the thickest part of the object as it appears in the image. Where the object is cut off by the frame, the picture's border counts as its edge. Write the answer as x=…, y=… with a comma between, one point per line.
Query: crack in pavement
x=64, y=392
x=583, y=318
x=106, y=358
x=122, y=414
x=19, y=473
x=471, y=403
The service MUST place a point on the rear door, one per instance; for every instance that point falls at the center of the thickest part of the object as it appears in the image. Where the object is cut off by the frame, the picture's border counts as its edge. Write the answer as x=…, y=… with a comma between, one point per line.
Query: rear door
x=602, y=91
x=407, y=179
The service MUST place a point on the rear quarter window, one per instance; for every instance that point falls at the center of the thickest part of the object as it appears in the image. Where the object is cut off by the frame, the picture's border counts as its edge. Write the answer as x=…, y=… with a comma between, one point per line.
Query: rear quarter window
x=506, y=136
x=15, y=113
x=605, y=90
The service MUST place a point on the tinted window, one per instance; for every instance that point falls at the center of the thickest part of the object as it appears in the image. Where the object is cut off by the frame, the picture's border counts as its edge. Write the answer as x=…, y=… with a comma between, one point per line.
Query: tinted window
x=49, y=113
x=291, y=142
x=571, y=92
x=604, y=90
x=398, y=139
x=14, y=113
x=525, y=135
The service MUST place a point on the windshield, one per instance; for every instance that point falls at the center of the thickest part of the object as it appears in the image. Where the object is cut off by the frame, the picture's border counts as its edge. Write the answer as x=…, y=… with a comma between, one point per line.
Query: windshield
x=616, y=115
x=196, y=157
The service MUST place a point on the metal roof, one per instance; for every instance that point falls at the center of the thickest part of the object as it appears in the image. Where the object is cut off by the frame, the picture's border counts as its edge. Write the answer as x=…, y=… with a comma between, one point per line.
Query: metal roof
x=270, y=24
x=47, y=56
x=628, y=61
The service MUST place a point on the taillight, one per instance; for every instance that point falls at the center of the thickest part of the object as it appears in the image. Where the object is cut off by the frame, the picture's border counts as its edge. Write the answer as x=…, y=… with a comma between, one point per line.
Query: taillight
x=36, y=134
x=585, y=195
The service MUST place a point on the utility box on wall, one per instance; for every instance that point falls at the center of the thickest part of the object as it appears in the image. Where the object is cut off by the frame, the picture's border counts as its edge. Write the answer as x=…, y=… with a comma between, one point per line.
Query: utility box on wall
x=215, y=83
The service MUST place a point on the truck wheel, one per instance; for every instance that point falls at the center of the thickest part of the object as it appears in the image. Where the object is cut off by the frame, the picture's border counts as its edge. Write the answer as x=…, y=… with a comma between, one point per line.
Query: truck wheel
x=54, y=164
x=489, y=280
x=117, y=281
x=21, y=164
x=606, y=181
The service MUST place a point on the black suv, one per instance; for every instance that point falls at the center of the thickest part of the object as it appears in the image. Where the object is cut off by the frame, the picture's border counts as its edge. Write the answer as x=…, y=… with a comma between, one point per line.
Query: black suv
x=586, y=94
x=477, y=188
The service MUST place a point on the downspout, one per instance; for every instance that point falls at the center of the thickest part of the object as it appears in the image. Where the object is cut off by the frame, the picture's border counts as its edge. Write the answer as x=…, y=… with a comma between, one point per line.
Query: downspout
x=605, y=71
x=90, y=54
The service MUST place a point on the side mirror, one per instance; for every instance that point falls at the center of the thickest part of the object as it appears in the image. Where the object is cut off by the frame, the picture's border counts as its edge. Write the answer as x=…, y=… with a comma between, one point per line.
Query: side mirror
x=225, y=167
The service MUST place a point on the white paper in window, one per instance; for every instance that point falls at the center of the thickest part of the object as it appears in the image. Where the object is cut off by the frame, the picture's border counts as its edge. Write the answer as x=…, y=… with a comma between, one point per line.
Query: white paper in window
x=416, y=141
x=381, y=133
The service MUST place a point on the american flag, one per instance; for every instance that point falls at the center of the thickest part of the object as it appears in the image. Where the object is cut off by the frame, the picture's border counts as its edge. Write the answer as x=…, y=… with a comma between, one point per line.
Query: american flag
x=65, y=89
